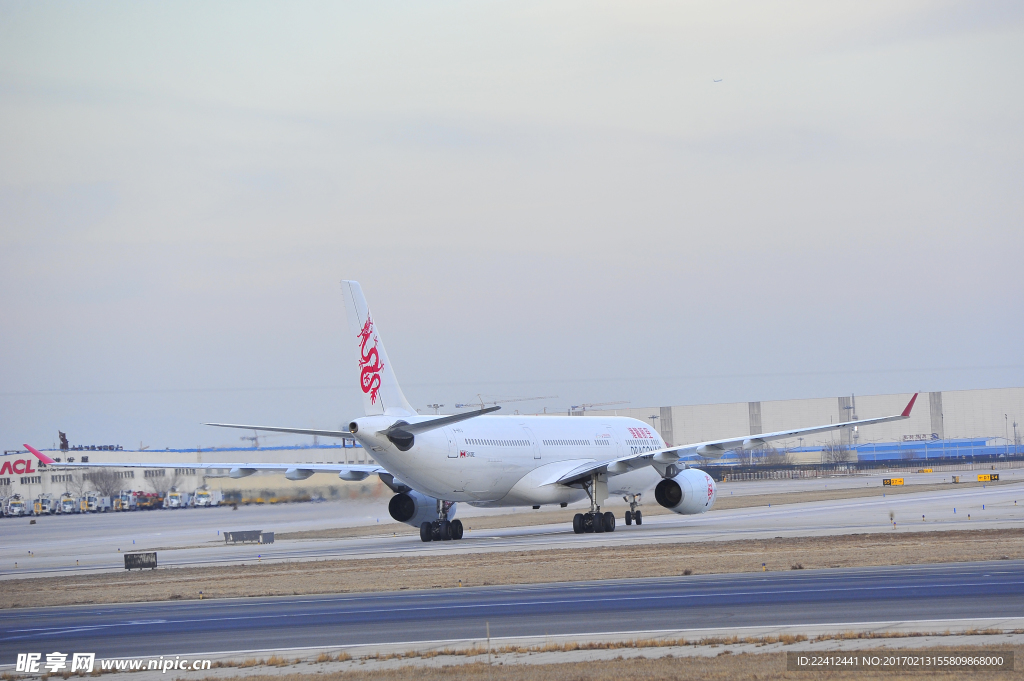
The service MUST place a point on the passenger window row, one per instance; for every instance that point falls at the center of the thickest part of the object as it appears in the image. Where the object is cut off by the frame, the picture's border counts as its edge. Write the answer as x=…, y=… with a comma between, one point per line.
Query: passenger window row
x=497, y=443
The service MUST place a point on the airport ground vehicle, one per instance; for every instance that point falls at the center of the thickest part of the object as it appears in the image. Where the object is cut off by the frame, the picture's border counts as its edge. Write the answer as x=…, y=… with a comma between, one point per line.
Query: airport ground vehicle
x=207, y=497
x=98, y=504
x=125, y=501
x=146, y=501
x=176, y=499
x=15, y=507
x=68, y=504
x=44, y=505
x=433, y=462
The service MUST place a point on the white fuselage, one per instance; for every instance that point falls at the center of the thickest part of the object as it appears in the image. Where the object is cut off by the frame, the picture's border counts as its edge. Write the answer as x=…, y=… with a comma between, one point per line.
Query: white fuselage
x=516, y=460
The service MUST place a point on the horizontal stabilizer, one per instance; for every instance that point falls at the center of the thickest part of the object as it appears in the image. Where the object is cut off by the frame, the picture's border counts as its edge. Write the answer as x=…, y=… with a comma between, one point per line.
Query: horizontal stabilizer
x=292, y=471
x=424, y=426
x=295, y=431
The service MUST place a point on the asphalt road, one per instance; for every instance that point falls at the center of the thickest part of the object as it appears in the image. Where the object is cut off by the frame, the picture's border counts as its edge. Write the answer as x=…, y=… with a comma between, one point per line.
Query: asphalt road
x=952, y=591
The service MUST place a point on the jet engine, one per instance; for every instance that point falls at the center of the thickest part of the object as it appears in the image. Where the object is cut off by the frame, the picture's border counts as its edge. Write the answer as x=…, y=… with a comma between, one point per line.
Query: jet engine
x=691, y=491
x=413, y=508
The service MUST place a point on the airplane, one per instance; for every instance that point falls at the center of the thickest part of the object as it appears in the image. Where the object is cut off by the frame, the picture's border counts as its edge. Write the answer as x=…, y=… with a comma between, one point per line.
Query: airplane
x=432, y=463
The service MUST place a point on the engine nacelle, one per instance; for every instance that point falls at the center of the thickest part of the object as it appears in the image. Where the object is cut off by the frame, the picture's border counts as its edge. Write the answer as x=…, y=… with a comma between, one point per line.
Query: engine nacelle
x=692, y=491
x=413, y=508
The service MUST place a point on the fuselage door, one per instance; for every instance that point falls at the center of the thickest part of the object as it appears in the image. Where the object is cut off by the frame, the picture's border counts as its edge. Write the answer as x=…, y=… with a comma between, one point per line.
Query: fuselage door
x=608, y=434
x=534, y=444
x=453, y=444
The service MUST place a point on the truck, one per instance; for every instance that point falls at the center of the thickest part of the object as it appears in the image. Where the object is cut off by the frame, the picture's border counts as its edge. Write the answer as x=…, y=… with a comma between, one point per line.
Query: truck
x=207, y=497
x=44, y=505
x=126, y=501
x=68, y=504
x=176, y=499
x=149, y=501
x=98, y=504
x=15, y=507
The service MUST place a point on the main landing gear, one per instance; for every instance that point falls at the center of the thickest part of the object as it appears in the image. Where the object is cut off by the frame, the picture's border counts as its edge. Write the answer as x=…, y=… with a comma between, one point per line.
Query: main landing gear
x=441, y=529
x=595, y=520
x=633, y=515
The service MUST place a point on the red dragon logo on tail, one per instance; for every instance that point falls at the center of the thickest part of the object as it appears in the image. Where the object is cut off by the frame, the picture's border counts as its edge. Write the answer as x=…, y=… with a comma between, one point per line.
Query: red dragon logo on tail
x=369, y=361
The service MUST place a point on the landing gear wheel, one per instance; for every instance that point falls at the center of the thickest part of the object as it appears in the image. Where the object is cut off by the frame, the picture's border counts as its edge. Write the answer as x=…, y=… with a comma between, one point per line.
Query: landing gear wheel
x=598, y=521
x=638, y=517
x=629, y=517
x=588, y=522
x=609, y=522
x=457, y=529
x=577, y=523
x=444, y=530
x=426, y=532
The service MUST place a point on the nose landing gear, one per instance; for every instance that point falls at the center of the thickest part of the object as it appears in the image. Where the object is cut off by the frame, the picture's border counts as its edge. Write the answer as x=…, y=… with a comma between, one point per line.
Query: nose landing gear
x=633, y=515
x=441, y=529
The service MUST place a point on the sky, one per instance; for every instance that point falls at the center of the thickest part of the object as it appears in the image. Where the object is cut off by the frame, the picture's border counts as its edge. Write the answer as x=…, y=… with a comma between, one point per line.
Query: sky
x=650, y=203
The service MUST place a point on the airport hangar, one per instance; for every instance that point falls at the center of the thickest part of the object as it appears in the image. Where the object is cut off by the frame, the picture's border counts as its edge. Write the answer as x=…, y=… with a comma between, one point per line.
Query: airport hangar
x=950, y=424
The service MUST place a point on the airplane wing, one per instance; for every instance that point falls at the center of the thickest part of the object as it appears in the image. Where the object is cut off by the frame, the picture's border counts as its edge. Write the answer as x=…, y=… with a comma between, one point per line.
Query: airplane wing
x=712, y=449
x=292, y=471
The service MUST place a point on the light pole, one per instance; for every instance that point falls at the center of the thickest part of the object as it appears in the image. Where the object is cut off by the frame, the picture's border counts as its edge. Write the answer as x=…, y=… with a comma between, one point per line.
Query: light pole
x=435, y=407
x=1006, y=432
x=653, y=418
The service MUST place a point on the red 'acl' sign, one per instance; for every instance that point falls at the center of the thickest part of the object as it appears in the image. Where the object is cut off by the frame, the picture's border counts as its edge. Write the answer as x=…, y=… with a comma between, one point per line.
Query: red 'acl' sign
x=17, y=467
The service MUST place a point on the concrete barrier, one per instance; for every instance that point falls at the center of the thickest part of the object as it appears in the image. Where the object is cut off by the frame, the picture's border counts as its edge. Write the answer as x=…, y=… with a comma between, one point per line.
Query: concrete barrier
x=243, y=536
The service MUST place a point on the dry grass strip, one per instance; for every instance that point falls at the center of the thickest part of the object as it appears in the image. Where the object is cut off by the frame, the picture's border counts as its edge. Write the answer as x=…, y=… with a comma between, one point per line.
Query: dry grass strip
x=767, y=666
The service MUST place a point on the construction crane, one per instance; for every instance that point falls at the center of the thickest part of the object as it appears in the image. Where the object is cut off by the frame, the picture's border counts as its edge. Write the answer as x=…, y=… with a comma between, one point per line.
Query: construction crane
x=583, y=407
x=481, y=403
x=255, y=438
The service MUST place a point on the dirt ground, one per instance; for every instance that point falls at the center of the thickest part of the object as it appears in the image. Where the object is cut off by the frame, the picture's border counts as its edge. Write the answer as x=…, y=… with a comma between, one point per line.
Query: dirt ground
x=724, y=501
x=763, y=666
x=524, y=567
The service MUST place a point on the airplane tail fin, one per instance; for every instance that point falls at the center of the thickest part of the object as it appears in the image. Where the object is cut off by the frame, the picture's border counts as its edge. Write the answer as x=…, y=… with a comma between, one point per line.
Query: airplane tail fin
x=381, y=392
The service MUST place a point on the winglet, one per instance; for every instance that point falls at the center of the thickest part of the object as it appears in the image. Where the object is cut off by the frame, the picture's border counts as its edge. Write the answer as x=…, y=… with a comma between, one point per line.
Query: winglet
x=905, y=414
x=39, y=455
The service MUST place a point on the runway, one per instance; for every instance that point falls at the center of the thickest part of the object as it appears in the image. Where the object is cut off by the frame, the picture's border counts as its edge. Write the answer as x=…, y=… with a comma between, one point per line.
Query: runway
x=78, y=544
x=933, y=592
